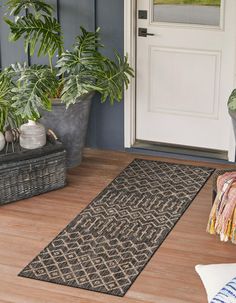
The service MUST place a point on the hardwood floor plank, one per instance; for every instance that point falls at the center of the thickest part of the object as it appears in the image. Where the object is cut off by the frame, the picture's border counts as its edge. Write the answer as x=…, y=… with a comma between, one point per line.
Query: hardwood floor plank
x=20, y=283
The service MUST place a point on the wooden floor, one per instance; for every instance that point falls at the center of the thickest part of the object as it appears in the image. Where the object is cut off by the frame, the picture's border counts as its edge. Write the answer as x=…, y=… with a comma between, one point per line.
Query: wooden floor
x=26, y=227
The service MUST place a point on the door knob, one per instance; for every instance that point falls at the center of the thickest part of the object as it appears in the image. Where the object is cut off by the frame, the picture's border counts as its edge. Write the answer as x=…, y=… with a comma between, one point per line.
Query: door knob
x=142, y=32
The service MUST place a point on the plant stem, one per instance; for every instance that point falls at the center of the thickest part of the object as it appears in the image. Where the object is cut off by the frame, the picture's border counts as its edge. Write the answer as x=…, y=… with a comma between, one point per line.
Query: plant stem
x=50, y=62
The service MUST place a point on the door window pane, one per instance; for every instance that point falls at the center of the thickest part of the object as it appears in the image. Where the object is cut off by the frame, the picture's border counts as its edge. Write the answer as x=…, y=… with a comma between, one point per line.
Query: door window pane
x=203, y=12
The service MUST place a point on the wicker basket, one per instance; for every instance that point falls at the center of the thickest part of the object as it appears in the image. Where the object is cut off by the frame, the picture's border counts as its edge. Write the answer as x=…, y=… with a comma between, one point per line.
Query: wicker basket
x=24, y=174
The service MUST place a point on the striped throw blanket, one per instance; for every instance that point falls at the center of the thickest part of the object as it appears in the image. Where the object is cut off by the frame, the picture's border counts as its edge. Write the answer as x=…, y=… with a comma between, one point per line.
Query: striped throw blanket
x=227, y=293
x=222, y=220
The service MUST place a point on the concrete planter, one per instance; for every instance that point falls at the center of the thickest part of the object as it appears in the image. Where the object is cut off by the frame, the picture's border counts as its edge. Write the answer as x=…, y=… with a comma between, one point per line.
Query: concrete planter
x=70, y=125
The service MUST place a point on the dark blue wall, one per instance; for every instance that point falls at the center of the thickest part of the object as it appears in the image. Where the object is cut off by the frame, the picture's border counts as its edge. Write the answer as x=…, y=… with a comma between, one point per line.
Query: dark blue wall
x=106, y=125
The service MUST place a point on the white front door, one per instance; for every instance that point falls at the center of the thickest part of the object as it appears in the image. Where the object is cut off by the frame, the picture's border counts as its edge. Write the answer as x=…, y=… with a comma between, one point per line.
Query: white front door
x=185, y=72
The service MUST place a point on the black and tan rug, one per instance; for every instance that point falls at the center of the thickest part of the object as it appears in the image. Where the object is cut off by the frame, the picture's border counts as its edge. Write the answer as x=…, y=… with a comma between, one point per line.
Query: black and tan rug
x=109, y=243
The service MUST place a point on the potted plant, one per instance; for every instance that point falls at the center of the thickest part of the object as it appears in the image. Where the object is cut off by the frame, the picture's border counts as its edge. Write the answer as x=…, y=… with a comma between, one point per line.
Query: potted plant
x=61, y=94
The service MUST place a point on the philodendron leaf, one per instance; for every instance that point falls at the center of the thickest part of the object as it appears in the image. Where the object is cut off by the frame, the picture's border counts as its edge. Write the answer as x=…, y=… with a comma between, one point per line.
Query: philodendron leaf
x=26, y=104
x=8, y=114
x=35, y=86
x=44, y=32
x=112, y=77
x=232, y=101
x=16, y=7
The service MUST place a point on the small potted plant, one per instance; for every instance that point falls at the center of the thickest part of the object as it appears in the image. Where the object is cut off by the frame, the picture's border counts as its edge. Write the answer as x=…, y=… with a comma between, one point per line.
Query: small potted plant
x=60, y=94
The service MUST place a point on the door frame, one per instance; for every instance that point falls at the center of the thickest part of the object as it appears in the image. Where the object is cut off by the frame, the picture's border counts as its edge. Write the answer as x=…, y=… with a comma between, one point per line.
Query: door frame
x=130, y=93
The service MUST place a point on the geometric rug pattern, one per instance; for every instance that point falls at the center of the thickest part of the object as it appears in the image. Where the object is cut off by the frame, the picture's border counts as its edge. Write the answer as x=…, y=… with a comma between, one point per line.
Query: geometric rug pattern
x=109, y=243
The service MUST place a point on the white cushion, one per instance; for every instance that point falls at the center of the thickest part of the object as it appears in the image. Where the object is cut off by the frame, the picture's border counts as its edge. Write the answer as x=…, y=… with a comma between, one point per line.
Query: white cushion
x=215, y=277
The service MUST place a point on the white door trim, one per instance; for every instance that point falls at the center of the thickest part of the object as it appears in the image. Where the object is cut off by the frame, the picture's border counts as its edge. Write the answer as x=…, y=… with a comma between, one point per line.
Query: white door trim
x=130, y=51
x=130, y=93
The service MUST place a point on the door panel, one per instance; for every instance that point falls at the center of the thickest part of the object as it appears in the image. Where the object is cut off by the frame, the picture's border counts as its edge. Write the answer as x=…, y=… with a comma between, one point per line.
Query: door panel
x=184, y=76
x=190, y=92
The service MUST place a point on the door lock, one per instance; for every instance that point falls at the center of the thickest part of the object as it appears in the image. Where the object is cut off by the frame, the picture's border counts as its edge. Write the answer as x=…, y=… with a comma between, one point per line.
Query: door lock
x=142, y=32
x=142, y=14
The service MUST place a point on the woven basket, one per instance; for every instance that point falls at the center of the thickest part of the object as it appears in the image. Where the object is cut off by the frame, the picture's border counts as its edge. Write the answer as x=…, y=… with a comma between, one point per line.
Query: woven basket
x=28, y=173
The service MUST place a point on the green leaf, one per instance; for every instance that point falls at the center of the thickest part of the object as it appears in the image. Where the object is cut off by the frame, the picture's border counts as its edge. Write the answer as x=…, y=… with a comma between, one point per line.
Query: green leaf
x=43, y=32
x=232, y=101
x=17, y=7
x=8, y=116
x=73, y=88
x=35, y=86
x=83, y=56
x=112, y=78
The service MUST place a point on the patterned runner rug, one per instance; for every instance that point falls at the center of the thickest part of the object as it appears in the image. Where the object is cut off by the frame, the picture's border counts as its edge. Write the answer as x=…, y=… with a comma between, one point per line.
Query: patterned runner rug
x=109, y=243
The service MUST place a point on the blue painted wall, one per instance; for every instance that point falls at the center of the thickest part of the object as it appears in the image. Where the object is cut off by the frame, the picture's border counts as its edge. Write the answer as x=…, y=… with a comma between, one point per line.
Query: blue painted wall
x=106, y=125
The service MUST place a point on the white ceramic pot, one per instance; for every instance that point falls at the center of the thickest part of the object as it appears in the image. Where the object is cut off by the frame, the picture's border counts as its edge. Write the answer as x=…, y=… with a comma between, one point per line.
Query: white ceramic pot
x=32, y=135
x=2, y=141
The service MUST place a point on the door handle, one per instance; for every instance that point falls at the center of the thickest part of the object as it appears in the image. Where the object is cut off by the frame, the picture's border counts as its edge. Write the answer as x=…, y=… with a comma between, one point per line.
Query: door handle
x=142, y=32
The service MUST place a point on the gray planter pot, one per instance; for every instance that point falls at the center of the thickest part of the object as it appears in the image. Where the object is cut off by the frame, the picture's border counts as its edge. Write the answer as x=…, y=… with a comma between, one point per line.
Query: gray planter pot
x=70, y=126
x=233, y=118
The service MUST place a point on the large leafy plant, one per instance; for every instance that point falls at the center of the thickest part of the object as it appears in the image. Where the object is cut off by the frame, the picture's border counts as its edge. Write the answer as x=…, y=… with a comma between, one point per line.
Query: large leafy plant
x=79, y=71
x=85, y=69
